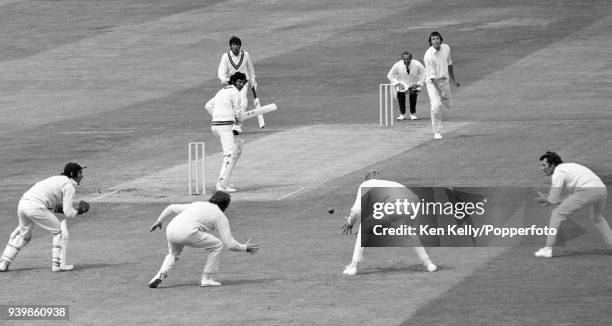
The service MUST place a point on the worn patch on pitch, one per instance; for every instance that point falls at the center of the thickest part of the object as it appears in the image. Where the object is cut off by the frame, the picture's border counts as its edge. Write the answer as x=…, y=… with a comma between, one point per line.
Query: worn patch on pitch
x=286, y=164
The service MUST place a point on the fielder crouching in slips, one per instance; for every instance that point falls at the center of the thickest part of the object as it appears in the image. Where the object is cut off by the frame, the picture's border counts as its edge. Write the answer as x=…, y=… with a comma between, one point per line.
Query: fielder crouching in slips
x=191, y=227
x=372, y=180
x=226, y=108
x=588, y=191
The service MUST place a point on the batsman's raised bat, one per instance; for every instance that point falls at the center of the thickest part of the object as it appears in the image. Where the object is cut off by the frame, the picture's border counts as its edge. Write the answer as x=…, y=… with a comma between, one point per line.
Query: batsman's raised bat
x=260, y=118
x=260, y=110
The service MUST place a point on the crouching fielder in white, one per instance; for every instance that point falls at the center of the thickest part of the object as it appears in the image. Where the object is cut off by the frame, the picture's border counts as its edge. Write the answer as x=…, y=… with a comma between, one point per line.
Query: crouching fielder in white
x=372, y=179
x=54, y=194
x=191, y=227
x=588, y=191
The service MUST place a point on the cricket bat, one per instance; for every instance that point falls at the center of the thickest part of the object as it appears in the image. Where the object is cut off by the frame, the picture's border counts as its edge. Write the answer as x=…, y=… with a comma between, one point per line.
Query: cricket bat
x=260, y=118
x=259, y=111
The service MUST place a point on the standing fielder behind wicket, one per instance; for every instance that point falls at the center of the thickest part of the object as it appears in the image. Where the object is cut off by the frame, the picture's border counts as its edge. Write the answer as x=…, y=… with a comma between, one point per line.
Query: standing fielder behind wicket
x=226, y=108
x=191, y=227
x=54, y=194
x=237, y=60
x=372, y=180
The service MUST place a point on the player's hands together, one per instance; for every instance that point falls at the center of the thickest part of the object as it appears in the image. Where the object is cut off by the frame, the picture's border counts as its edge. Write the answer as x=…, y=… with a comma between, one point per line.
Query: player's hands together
x=542, y=198
x=251, y=248
x=225, y=82
x=156, y=226
x=256, y=102
x=239, y=117
x=254, y=84
x=347, y=228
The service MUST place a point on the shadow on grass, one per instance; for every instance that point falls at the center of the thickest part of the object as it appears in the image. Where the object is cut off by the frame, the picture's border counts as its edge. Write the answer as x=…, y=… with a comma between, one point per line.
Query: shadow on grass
x=392, y=269
x=77, y=267
x=595, y=252
x=224, y=283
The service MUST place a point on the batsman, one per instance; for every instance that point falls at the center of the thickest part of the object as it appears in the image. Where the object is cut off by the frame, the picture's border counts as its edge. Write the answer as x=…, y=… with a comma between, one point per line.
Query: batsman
x=227, y=108
x=37, y=205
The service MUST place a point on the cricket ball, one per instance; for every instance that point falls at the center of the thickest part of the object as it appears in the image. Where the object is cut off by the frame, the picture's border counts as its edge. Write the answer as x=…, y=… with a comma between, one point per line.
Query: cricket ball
x=331, y=210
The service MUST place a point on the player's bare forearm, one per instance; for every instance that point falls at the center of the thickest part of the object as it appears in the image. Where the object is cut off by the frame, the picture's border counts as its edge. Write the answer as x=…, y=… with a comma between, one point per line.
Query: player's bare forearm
x=451, y=73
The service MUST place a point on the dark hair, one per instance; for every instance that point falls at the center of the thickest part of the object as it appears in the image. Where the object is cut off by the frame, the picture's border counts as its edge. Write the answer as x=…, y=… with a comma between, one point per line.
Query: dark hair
x=71, y=170
x=373, y=174
x=237, y=76
x=435, y=33
x=235, y=40
x=552, y=158
x=221, y=199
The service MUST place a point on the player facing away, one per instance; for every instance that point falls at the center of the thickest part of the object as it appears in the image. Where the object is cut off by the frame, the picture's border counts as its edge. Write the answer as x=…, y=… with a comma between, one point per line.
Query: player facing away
x=237, y=60
x=372, y=179
x=54, y=194
x=191, y=227
x=226, y=108
x=587, y=191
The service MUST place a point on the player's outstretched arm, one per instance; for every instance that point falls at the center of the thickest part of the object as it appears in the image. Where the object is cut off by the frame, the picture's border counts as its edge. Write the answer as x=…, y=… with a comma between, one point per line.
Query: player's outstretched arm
x=251, y=248
x=347, y=228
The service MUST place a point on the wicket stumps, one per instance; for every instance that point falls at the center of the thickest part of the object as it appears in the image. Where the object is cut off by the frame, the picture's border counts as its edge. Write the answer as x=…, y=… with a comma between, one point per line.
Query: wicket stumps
x=197, y=183
x=385, y=96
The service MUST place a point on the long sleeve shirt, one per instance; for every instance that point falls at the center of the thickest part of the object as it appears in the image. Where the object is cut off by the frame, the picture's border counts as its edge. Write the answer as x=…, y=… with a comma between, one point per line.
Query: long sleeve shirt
x=230, y=64
x=572, y=176
x=203, y=216
x=399, y=74
x=54, y=192
x=225, y=105
x=437, y=62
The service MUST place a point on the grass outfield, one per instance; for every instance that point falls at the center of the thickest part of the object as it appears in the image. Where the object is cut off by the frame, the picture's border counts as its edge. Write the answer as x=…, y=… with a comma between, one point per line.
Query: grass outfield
x=119, y=87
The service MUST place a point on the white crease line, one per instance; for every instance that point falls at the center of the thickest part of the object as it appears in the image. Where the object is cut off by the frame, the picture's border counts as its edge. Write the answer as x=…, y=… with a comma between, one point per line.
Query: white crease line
x=95, y=132
x=291, y=193
x=104, y=195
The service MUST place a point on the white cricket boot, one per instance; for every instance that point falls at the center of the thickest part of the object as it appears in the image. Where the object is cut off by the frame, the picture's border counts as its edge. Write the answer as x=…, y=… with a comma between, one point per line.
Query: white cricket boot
x=62, y=268
x=350, y=270
x=4, y=265
x=413, y=117
x=437, y=135
x=209, y=282
x=431, y=267
x=156, y=280
x=545, y=252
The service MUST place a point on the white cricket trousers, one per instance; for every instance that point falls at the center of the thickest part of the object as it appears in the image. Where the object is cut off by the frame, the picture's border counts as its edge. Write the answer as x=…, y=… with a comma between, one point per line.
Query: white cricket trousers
x=583, y=197
x=179, y=236
x=226, y=136
x=436, y=101
x=31, y=212
x=358, y=252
